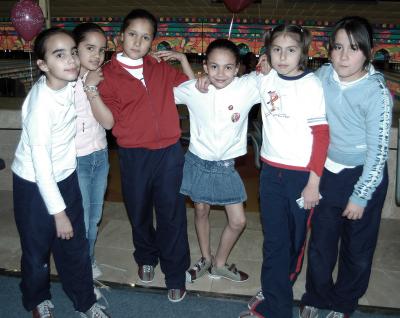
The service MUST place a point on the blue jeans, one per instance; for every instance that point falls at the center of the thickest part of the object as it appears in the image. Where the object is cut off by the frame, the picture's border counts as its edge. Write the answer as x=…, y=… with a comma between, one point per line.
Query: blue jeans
x=92, y=172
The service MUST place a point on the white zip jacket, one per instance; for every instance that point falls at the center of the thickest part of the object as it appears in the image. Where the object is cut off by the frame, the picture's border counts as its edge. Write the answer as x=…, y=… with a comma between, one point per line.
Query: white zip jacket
x=46, y=152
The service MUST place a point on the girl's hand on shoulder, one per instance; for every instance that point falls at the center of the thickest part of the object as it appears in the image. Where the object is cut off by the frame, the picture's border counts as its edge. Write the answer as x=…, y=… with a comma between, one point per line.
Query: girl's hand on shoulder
x=94, y=77
x=263, y=66
x=353, y=211
x=63, y=226
x=169, y=56
x=310, y=194
x=155, y=56
x=202, y=83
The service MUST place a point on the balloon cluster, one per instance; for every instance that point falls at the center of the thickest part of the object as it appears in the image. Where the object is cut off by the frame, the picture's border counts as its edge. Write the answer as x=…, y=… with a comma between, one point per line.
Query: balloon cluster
x=27, y=19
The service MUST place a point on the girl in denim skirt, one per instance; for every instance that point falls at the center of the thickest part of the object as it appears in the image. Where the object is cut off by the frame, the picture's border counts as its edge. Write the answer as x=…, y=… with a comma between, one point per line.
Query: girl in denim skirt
x=218, y=134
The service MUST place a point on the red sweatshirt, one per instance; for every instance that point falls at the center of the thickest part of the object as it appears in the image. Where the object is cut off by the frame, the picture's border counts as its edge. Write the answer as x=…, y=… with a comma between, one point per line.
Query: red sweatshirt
x=144, y=116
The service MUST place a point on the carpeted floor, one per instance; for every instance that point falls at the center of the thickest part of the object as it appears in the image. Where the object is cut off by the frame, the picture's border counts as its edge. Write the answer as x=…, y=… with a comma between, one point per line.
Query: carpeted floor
x=127, y=302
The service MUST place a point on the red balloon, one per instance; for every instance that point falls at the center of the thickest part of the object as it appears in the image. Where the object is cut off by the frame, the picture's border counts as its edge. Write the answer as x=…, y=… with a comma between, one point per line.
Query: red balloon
x=236, y=6
x=27, y=19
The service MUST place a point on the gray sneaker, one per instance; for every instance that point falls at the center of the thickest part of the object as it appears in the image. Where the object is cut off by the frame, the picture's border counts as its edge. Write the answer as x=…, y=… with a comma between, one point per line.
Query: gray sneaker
x=43, y=310
x=198, y=270
x=336, y=314
x=255, y=299
x=146, y=273
x=308, y=312
x=228, y=272
x=96, y=311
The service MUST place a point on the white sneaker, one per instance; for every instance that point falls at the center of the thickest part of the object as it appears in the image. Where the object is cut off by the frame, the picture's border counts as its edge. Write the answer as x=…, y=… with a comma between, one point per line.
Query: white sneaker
x=309, y=312
x=96, y=311
x=44, y=310
x=336, y=314
x=96, y=271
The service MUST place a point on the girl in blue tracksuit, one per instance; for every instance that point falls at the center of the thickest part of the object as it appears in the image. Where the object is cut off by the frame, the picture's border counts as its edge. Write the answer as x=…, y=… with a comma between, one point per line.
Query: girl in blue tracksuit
x=355, y=181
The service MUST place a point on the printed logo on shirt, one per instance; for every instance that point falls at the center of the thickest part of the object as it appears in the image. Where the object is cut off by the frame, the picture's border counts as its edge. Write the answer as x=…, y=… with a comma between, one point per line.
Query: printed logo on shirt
x=273, y=97
x=273, y=103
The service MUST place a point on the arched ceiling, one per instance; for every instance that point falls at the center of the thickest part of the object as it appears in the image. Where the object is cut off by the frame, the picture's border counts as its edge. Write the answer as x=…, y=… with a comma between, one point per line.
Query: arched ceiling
x=384, y=11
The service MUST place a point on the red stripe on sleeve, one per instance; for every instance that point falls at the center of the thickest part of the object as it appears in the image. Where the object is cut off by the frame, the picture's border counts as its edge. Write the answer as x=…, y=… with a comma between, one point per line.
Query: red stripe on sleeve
x=319, y=148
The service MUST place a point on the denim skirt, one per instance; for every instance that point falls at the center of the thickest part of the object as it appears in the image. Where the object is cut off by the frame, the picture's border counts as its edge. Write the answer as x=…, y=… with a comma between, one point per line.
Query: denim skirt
x=212, y=182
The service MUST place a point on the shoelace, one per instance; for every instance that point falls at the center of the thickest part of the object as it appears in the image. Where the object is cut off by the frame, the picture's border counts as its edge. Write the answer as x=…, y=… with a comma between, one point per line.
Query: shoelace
x=338, y=314
x=146, y=268
x=310, y=311
x=45, y=307
x=260, y=295
x=199, y=264
x=97, y=311
x=233, y=269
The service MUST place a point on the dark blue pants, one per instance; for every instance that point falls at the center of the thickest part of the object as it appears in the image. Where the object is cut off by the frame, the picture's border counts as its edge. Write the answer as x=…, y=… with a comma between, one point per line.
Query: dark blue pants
x=152, y=178
x=285, y=228
x=357, y=244
x=38, y=237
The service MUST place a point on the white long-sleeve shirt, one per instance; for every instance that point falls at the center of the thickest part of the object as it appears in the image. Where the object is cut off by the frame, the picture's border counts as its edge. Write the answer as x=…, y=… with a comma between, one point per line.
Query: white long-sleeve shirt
x=218, y=118
x=46, y=152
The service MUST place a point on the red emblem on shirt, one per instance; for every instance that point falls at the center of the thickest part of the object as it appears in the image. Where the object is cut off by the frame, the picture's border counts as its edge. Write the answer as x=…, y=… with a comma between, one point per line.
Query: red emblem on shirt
x=235, y=117
x=273, y=97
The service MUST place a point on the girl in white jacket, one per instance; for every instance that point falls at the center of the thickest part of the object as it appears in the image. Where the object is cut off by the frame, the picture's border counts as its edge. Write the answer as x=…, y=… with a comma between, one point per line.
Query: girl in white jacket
x=47, y=200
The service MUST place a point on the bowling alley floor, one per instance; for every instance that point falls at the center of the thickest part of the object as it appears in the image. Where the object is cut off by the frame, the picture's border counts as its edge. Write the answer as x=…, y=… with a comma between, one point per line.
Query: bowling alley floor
x=114, y=246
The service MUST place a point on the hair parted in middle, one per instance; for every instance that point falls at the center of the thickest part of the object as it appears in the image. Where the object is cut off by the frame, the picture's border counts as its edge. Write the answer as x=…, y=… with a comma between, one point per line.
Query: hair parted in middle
x=81, y=30
x=223, y=44
x=301, y=35
x=140, y=14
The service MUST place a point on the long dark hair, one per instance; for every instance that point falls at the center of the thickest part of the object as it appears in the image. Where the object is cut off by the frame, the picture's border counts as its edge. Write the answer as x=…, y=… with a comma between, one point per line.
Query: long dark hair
x=140, y=14
x=39, y=47
x=82, y=29
x=359, y=32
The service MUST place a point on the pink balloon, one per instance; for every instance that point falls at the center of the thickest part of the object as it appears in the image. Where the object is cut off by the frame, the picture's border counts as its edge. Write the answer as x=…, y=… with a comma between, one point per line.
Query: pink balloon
x=27, y=19
x=235, y=6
